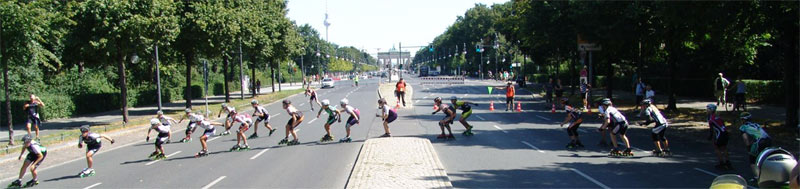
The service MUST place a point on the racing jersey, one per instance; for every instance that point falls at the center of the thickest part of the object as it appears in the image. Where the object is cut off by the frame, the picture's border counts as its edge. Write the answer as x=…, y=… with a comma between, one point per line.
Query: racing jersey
x=654, y=115
x=614, y=115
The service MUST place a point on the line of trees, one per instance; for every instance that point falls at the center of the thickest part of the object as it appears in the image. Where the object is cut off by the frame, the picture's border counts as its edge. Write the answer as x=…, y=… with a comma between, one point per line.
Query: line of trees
x=70, y=49
x=671, y=44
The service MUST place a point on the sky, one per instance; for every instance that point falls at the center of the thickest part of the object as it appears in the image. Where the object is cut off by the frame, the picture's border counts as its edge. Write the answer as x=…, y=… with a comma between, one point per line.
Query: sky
x=373, y=24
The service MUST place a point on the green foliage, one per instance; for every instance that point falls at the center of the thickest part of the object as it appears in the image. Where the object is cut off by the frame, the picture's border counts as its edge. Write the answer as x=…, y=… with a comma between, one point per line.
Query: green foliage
x=338, y=65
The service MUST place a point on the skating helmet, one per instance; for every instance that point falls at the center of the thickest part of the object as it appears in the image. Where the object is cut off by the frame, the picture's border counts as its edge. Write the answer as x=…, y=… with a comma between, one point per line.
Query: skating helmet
x=646, y=102
x=711, y=107
x=774, y=166
x=437, y=99
x=287, y=102
x=453, y=98
x=194, y=118
x=84, y=128
x=325, y=102
x=745, y=115
x=155, y=121
x=344, y=102
x=224, y=105
x=381, y=101
x=606, y=101
x=188, y=110
x=160, y=112
x=27, y=138
x=254, y=102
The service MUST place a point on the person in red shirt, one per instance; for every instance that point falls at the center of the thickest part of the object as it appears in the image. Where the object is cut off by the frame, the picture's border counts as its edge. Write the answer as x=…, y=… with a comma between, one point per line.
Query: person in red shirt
x=400, y=91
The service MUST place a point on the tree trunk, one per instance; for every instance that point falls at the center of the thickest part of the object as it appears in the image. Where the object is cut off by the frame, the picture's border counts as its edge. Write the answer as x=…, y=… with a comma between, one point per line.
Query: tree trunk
x=253, y=77
x=609, y=79
x=225, y=75
x=272, y=76
x=673, y=70
x=189, y=58
x=790, y=85
x=574, y=74
x=8, y=100
x=123, y=85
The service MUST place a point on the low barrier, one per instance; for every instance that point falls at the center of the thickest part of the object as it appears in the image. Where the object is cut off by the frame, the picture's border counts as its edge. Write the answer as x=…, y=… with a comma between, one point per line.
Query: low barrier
x=443, y=80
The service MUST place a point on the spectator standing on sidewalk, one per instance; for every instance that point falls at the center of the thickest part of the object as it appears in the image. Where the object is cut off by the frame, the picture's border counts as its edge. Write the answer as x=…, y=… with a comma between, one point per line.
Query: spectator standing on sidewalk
x=400, y=91
x=584, y=75
x=741, y=89
x=639, y=88
x=548, y=88
x=720, y=88
x=585, y=88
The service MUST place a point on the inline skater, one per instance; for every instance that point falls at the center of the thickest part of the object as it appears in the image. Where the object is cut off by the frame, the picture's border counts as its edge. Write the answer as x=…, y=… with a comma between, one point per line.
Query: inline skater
x=190, y=127
x=166, y=121
x=718, y=134
x=355, y=80
x=574, y=118
x=209, y=131
x=450, y=115
x=654, y=116
x=387, y=114
x=261, y=114
x=466, y=111
x=601, y=113
x=228, y=119
x=33, y=116
x=755, y=138
x=36, y=154
x=245, y=122
x=333, y=115
x=295, y=118
x=355, y=116
x=614, y=120
x=93, y=144
x=161, y=138
x=313, y=93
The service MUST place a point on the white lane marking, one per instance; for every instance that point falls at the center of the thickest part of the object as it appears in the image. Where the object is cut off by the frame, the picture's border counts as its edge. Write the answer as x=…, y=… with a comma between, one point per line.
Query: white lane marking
x=582, y=131
x=531, y=145
x=93, y=185
x=548, y=119
x=465, y=95
x=215, y=138
x=424, y=97
x=416, y=102
x=312, y=121
x=297, y=130
x=277, y=114
x=706, y=172
x=259, y=154
x=172, y=154
x=598, y=183
x=213, y=182
x=501, y=129
x=479, y=117
x=301, y=104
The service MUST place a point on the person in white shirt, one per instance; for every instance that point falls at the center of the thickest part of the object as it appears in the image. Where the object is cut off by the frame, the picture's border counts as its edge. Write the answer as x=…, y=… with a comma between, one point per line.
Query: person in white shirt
x=614, y=120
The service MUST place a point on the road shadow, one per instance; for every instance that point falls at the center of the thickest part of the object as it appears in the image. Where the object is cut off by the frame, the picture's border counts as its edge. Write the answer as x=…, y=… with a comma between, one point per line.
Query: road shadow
x=62, y=178
x=135, y=161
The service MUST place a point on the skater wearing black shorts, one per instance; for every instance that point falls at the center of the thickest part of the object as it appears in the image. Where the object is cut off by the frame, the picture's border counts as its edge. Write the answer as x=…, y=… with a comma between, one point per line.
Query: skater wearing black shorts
x=333, y=116
x=190, y=127
x=618, y=124
x=163, y=136
x=574, y=118
x=295, y=118
x=33, y=116
x=718, y=134
x=388, y=115
x=209, y=131
x=449, y=116
x=755, y=138
x=228, y=119
x=261, y=115
x=93, y=144
x=245, y=122
x=355, y=116
x=652, y=115
x=36, y=154
x=167, y=122
x=313, y=99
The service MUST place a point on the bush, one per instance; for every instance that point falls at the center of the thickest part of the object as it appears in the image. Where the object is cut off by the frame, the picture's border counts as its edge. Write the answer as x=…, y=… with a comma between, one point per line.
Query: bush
x=764, y=91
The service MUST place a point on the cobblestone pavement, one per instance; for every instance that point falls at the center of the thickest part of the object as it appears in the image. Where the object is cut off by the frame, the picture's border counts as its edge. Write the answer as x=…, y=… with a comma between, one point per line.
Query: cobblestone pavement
x=398, y=162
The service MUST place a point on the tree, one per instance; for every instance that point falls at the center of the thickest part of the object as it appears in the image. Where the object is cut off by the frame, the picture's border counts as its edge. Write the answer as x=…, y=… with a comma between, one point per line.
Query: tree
x=120, y=28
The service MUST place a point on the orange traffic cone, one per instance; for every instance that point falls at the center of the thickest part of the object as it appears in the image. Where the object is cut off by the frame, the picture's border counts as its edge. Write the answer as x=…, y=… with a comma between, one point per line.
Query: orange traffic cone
x=491, y=106
x=519, y=106
x=553, y=110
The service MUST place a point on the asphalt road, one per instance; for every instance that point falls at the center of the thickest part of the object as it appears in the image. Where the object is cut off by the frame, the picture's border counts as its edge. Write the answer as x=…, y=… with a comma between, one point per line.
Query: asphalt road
x=509, y=149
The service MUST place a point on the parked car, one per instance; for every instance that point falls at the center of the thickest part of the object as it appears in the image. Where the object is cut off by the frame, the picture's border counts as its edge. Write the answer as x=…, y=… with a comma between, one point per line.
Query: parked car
x=327, y=82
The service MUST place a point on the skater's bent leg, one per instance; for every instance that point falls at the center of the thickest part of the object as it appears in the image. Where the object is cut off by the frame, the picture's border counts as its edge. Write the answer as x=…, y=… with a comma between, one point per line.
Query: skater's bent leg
x=28, y=127
x=347, y=130
x=37, y=130
x=328, y=129
x=89, y=159
x=613, y=139
x=464, y=123
x=23, y=169
x=33, y=172
x=203, y=142
x=386, y=126
x=625, y=140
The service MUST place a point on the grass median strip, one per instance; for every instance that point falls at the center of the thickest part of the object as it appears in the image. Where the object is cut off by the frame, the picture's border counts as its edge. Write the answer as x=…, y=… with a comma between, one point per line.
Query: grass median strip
x=73, y=134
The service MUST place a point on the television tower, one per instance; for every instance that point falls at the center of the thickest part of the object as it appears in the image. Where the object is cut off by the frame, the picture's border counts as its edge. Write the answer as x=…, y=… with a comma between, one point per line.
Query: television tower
x=327, y=24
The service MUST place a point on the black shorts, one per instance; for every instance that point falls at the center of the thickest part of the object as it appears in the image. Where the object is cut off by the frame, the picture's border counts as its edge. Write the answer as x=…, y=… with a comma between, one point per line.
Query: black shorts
x=659, y=135
x=722, y=140
x=32, y=157
x=299, y=119
x=34, y=121
x=509, y=100
x=160, y=141
x=264, y=118
x=619, y=128
x=639, y=99
x=93, y=148
x=739, y=97
x=573, y=130
x=313, y=97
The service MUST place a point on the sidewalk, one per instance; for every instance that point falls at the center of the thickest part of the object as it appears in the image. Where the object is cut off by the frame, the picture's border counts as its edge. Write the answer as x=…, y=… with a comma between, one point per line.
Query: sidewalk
x=398, y=162
x=58, y=125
